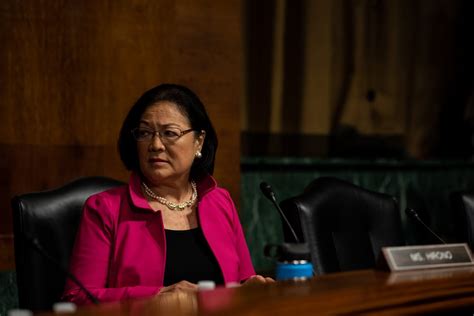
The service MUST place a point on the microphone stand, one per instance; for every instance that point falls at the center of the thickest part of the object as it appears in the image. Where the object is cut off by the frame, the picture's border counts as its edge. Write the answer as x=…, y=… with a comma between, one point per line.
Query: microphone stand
x=413, y=214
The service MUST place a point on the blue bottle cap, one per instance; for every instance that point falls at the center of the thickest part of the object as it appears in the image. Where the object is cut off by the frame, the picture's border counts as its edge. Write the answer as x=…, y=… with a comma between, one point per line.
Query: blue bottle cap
x=294, y=270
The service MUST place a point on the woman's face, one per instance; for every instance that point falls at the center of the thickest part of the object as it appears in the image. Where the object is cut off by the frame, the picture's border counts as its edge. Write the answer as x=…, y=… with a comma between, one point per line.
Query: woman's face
x=163, y=159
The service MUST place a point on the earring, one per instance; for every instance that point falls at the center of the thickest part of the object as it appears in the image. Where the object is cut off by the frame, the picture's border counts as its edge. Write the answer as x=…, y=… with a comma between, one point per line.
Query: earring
x=198, y=154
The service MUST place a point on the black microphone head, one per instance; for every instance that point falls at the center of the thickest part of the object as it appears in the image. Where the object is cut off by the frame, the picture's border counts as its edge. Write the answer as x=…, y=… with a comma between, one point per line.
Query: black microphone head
x=411, y=212
x=267, y=190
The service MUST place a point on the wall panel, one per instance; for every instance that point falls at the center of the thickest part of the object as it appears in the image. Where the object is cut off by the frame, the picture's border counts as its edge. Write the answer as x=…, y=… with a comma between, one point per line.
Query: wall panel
x=70, y=70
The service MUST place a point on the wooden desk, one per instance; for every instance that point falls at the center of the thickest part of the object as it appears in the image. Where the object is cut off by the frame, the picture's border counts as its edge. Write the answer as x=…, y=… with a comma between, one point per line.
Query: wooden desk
x=359, y=292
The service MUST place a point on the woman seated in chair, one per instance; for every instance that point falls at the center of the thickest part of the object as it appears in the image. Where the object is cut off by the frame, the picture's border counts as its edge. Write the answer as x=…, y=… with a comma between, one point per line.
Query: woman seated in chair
x=171, y=226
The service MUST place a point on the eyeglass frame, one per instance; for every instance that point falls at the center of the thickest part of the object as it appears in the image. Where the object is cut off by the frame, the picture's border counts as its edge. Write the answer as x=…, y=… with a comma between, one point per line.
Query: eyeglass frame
x=154, y=132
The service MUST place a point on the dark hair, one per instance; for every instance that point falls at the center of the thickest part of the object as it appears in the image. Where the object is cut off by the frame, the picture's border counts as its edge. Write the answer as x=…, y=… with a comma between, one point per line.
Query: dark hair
x=190, y=105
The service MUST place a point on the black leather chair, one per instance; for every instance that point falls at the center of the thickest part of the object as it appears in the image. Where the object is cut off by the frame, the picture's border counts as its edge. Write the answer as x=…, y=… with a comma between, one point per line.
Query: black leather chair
x=462, y=205
x=50, y=218
x=344, y=225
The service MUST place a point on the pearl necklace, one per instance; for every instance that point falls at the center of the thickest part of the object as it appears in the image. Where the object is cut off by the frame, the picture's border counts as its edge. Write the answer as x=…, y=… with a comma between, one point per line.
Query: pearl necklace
x=171, y=205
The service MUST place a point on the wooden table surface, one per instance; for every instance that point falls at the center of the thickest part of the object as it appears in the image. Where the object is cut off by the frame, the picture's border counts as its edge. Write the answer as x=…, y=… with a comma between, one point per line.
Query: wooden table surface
x=367, y=292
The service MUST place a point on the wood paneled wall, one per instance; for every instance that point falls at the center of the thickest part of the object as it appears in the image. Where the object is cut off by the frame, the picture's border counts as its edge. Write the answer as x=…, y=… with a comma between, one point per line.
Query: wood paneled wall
x=70, y=70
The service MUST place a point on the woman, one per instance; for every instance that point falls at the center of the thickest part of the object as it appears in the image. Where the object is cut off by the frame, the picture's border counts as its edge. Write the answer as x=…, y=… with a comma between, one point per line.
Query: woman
x=171, y=226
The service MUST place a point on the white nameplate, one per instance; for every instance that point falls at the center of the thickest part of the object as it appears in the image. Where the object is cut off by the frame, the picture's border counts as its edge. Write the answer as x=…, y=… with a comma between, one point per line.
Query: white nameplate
x=426, y=257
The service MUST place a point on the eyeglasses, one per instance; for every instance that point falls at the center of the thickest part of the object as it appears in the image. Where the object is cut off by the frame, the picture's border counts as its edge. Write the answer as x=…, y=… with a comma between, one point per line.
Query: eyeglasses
x=167, y=136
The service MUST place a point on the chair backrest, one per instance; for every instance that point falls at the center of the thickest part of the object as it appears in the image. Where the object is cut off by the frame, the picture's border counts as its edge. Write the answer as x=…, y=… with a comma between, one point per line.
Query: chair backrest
x=462, y=204
x=52, y=218
x=344, y=225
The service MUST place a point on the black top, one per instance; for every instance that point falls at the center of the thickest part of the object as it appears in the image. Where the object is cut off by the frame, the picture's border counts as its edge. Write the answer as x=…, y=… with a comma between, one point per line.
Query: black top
x=189, y=257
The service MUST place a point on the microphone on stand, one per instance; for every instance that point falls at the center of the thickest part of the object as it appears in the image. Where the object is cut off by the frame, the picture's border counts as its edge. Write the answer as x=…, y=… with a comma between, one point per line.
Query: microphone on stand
x=413, y=214
x=300, y=250
x=34, y=242
x=269, y=194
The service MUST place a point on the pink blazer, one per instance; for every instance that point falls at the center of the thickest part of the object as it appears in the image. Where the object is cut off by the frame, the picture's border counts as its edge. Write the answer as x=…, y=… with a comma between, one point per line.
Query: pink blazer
x=120, y=248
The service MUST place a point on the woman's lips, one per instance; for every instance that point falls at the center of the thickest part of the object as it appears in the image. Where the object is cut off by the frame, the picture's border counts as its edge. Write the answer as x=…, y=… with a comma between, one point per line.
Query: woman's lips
x=156, y=160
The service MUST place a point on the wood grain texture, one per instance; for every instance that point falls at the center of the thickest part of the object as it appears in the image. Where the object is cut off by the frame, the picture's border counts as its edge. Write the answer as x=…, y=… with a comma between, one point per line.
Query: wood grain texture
x=364, y=292
x=70, y=70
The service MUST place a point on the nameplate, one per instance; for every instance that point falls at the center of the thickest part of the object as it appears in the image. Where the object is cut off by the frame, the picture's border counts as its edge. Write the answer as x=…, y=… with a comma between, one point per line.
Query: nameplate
x=427, y=257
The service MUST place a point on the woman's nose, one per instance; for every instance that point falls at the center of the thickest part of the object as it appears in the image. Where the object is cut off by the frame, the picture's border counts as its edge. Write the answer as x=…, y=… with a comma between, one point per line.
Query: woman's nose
x=156, y=144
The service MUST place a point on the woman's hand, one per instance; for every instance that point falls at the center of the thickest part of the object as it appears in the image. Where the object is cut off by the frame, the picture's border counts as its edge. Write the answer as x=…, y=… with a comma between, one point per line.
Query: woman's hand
x=257, y=279
x=181, y=286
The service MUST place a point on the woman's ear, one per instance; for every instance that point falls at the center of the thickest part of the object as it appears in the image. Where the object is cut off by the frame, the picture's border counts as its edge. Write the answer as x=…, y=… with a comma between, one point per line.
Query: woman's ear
x=200, y=140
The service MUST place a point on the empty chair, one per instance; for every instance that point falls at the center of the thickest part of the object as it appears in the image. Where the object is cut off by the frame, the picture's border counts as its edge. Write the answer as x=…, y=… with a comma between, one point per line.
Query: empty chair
x=462, y=205
x=51, y=218
x=344, y=225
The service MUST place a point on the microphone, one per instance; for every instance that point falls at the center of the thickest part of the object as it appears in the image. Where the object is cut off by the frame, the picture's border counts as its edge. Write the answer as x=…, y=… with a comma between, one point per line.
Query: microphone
x=413, y=214
x=269, y=194
x=34, y=242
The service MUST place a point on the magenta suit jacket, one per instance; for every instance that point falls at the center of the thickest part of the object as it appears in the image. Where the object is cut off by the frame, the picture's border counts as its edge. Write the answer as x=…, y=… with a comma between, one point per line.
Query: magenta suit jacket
x=120, y=248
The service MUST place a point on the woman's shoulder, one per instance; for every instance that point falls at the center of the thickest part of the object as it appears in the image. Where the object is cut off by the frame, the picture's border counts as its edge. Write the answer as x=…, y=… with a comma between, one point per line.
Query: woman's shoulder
x=208, y=185
x=219, y=198
x=209, y=189
x=110, y=199
x=220, y=192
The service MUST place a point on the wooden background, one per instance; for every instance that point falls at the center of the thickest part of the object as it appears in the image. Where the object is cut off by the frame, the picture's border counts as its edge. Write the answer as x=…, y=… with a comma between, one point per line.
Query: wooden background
x=70, y=70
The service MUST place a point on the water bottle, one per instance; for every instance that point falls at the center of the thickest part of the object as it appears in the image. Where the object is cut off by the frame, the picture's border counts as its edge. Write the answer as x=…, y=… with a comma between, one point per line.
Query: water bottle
x=293, y=261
